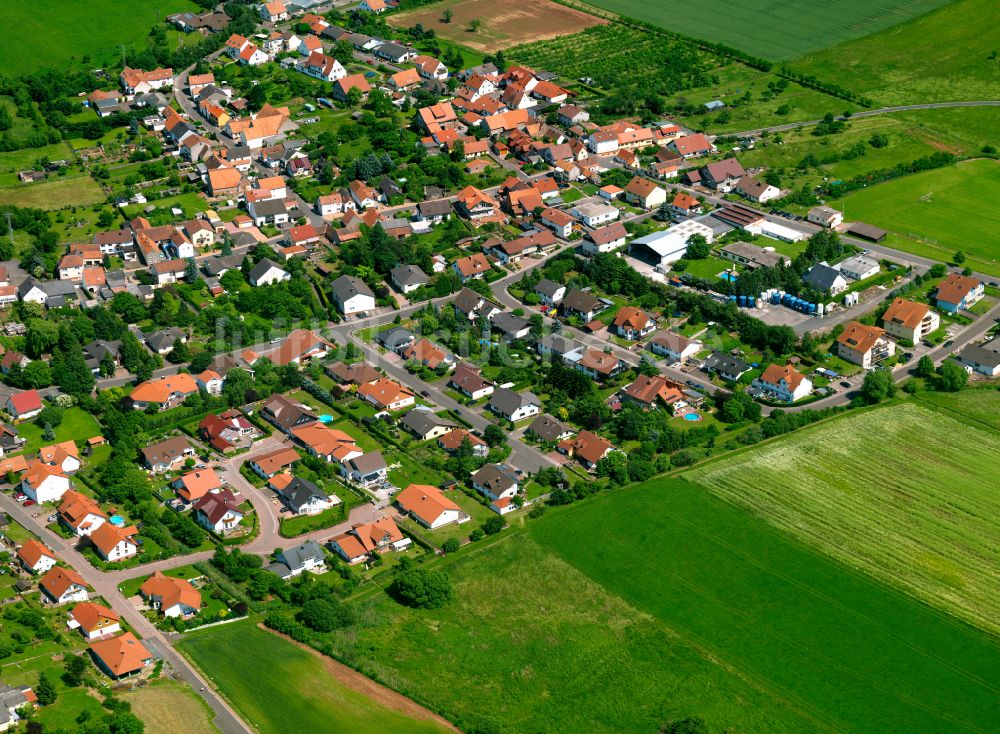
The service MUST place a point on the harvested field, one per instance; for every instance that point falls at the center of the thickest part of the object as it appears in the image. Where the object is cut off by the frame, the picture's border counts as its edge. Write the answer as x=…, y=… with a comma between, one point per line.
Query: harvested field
x=502, y=24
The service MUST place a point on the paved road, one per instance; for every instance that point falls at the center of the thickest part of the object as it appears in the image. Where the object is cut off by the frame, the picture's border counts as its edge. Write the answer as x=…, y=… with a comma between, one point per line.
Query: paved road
x=863, y=113
x=106, y=585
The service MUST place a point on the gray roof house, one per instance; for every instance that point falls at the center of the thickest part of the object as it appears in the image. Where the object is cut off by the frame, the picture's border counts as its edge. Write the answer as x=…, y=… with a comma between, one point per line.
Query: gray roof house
x=824, y=278
x=510, y=326
x=548, y=429
x=369, y=468
x=294, y=561
x=303, y=497
x=726, y=366
x=513, y=406
x=162, y=341
x=396, y=338
x=425, y=424
x=408, y=278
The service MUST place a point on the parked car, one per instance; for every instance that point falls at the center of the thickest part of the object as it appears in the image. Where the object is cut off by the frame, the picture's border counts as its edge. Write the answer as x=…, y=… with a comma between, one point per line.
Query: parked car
x=20, y=496
x=845, y=383
x=425, y=393
x=29, y=503
x=949, y=342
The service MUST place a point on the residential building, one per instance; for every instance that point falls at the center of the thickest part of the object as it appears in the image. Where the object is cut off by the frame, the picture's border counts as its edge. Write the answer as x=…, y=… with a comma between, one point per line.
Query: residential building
x=425, y=424
x=727, y=366
x=428, y=506
x=673, y=346
x=408, y=278
x=454, y=439
x=958, y=292
x=218, y=511
x=166, y=455
x=858, y=267
x=582, y=304
x=604, y=239
x=267, y=272
x=80, y=514
x=594, y=214
x=599, y=365
x=549, y=292
x=587, y=448
x=365, y=470
x=723, y=175
x=548, y=429
x=35, y=556
x=910, y=320
x=468, y=381
x=756, y=190
x=63, y=585
x=752, y=256
x=358, y=543
x=351, y=295
x=94, y=620
x=864, y=345
x=24, y=405
x=113, y=543
x=268, y=464
x=645, y=193
x=299, y=559
x=163, y=392
x=173, y=597
x=981, y=358
x=499, y=484
x=784, y=382
x=825, y=216
x=386, y=394
x=826, y=279
x=632, y=323
x=44, y=483
x=513, y=406
x=122, y=656
x=471, y=267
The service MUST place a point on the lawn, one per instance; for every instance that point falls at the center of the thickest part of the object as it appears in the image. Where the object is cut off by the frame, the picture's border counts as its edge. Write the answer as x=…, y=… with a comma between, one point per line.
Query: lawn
x=905, y=493
x=941, y=56
x=502, y=24
x=772, y=30
x=977, y=405
x=54, y=193
x=831, y=643
x=293, y=680
x=167, y=707
x=937, y=211
x=568, y=655
x=50, y=32
x=77, y=425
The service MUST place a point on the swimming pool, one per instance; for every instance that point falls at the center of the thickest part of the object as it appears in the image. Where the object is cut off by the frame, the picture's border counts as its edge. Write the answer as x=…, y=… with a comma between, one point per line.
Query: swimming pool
x=117, y=520
x=692, y=417
x=326, y=418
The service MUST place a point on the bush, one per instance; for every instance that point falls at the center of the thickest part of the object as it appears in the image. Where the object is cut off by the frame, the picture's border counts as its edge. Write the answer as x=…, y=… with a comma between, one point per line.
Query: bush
x=423, y=589
x=451, y=545
x=325, y=615
x=494, y=525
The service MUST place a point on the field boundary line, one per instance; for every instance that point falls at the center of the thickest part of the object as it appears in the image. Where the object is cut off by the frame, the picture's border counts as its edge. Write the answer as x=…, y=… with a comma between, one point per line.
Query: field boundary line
x=813, y=592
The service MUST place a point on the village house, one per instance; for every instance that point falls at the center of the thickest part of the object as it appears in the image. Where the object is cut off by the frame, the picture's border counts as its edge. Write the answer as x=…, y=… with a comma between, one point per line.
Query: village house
x=351, y=295
x=909, y=320
x=674, y=347
x=864, y=345
x=632, y=323
x=113, y=543
x=726, y=366
x=63, y=585
x=428, y=506
x=472, y=267
x=648, y=391
x=173, y=597
x=958, y=292
x=783, y=383
x=358, y=543
x=513, y=406
x=35, y=556
x=166, y=455
x=499, y=484
x=386, y=394
x=645, y=193
x=219, y=512
x=604, y=239
x=93, y=620
x=468, y=381
x=756, y=190
x=454, y=439
x=44, y=483
x=329, y=444
x=163, y=392
x=587, y=448
x=365, y=470
x=299, y=559
x=80, y=514
x=122, y=656
x=268, y=464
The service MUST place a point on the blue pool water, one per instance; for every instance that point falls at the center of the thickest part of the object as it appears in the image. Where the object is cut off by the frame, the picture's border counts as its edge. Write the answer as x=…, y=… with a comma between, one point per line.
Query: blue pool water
x=326, y=418
x=692, y=417
x=729, y=277
x=117, y=520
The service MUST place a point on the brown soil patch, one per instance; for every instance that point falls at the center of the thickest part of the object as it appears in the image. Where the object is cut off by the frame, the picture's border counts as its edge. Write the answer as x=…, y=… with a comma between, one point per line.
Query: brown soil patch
x=504, y=24
x=367, y=687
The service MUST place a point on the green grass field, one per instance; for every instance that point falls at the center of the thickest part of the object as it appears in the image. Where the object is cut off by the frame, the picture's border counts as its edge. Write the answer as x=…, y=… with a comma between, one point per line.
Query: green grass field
x=849, y=654
x=904, y=493
x=293, y=693
x=941, y=211
x=54, y=193
x=168, y=707
x=569, y=655
x=77, y=425
x=50, y=32
x=773, y=30
x=981, y=405
x=945, y=55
